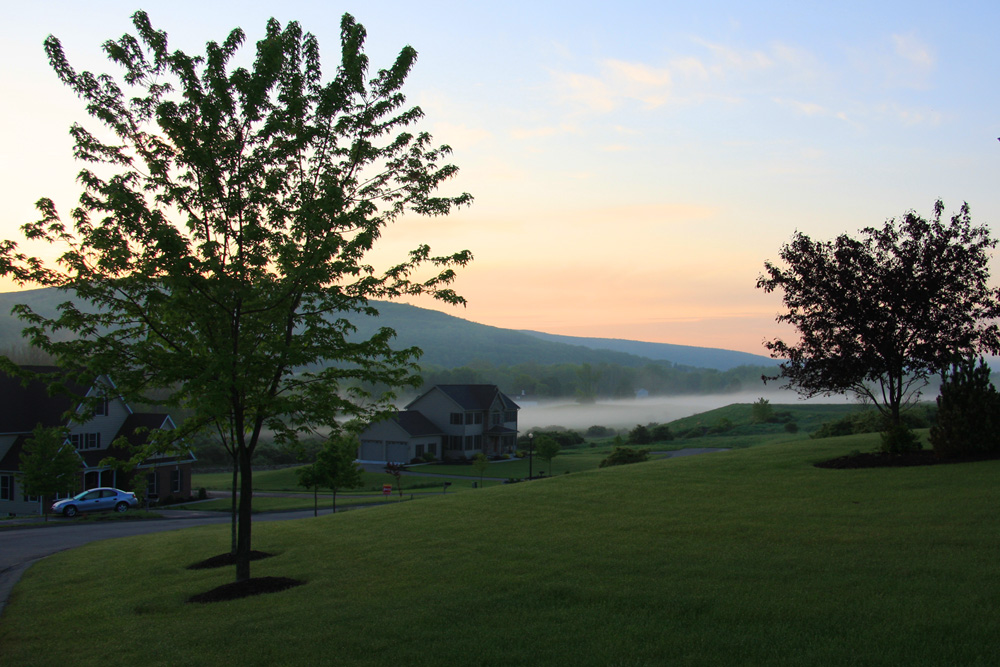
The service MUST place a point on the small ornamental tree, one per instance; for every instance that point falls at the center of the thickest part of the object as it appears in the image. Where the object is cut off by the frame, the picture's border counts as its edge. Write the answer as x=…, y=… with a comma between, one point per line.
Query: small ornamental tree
x=336, y=465
x=222, y=242
x=310, y=478
x=878, y=315
x=546, y=448
x=49, y=466
x=480, y=463
x=968, y=418
x=396, y=470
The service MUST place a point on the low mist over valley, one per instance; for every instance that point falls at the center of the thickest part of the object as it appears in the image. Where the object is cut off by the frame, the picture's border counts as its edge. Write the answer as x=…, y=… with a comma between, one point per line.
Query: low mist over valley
x=626, y=413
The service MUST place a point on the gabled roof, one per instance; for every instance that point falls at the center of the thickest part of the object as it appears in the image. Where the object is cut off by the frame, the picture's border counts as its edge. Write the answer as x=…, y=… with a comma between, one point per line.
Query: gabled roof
x=472, y=396
x=135, y=429
x=22, y=407
x=415, y=423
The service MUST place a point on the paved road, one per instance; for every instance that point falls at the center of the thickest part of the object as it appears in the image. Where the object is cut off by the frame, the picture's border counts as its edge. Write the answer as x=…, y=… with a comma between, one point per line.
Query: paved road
x=20, y=547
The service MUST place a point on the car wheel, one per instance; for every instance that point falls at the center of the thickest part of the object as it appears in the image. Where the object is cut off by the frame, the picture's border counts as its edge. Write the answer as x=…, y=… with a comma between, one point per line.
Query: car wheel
x=121, y=507
x=69, y=511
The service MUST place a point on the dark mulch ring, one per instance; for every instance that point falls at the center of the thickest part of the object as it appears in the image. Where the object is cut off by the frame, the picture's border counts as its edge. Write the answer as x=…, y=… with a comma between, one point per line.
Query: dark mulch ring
x=924, y=457
x=223, y=560
x=243, y=589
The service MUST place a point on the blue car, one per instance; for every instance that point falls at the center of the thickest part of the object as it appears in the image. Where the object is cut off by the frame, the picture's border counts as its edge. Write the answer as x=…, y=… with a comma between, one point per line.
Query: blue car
x=96, y=500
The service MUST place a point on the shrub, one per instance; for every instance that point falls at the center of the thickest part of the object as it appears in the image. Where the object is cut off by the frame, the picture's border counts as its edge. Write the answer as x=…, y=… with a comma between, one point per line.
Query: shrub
x=428, y=457
x=202, y=493
x=761, y=412
x=899, y=439
x=660, y=433
x=600, y=432
x=639, y=435
x=624, y=455
x=968, y=419
x=791, y=427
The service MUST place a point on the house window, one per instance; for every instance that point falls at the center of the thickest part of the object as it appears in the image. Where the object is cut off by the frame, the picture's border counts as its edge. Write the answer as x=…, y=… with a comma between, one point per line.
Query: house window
x=456, y=418
x=494, y=418
x=30, y=499
x=102, y=408
x=86, y=440
x=151, y=484
x=6, y=487
x=469, y=443
x=432, y=448
x=175, y=481
x=419, y=451
x=510, y=416
x=473, y=417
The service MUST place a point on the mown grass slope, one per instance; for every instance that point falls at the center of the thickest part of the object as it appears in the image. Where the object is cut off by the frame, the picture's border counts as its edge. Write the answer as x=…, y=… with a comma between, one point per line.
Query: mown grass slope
x=745, y=557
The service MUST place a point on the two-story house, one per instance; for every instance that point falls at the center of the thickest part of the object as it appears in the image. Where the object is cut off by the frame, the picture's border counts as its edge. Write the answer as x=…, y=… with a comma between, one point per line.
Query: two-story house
x=22, y=408
x=448, y=421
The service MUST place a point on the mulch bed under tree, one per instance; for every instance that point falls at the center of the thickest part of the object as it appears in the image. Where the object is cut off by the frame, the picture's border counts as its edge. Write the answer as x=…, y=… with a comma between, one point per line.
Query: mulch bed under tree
x=923, y=457
x=240, y=589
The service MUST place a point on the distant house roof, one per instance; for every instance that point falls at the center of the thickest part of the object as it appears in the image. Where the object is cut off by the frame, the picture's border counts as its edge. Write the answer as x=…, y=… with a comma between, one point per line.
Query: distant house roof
x=472, y=396
x=23, y=407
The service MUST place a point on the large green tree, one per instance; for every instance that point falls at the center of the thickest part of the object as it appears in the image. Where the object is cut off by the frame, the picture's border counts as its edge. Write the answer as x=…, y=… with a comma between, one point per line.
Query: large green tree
x=49, y=465
x=222, y=241
x=878, y=315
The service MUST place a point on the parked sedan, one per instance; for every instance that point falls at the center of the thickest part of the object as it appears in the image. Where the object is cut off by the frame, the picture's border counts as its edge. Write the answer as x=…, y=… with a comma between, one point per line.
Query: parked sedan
x=96, y=500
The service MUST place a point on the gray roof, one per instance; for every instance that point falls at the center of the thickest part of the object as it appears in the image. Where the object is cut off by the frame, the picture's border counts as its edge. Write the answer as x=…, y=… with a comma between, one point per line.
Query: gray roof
x=25, y=406
x=415, y=423
x=473, y=396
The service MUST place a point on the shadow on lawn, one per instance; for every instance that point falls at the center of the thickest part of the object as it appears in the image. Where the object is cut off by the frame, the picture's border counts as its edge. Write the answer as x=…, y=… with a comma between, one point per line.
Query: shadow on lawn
x=240, y=589
x=923, y=457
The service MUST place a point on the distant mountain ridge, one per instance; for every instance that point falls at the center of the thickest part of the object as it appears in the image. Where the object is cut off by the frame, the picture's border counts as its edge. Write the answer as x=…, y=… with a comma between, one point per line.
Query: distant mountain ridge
x=685, y=355
x=449, y=341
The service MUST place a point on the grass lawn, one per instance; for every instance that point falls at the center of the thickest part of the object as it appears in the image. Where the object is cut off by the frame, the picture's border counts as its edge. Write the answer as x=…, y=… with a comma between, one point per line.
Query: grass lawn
x=748, y=557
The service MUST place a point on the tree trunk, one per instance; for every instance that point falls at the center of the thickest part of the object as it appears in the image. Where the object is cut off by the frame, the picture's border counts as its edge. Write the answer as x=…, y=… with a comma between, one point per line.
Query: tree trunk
x=236, y=470
x=334, y=489
x=315, y=501
x=243, y=530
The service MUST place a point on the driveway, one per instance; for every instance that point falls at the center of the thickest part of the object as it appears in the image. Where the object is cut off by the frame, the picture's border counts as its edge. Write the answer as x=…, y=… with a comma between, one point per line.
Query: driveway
x=20, y=547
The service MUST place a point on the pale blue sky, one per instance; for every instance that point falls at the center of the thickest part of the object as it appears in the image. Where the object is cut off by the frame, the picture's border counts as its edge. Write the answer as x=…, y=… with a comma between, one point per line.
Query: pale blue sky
x=634, y=164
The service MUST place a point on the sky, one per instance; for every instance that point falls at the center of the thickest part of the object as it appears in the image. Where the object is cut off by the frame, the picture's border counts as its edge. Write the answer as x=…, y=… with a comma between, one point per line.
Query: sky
x=633, y=164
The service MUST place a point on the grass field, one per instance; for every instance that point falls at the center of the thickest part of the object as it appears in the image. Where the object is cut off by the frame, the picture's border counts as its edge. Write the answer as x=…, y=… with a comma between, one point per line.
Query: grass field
x=748, y=557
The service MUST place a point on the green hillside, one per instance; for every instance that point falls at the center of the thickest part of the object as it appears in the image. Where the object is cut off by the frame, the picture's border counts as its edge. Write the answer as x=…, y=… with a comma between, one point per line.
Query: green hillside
x=748, y=557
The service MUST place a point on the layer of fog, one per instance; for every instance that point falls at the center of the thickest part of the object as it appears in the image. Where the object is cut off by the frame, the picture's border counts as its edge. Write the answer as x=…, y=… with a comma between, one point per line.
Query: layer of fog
x=626, y=413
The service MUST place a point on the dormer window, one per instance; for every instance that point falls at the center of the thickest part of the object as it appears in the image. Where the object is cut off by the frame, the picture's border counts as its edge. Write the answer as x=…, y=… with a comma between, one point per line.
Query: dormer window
x=85, y=440
x=102, y=408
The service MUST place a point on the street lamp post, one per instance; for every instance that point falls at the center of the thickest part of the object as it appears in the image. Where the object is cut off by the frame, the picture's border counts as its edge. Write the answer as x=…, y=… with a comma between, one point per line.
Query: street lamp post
x=531, y=451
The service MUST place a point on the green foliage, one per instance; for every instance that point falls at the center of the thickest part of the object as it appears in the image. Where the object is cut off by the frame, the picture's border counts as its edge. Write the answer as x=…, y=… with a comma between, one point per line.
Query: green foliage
x=872, y=421
x=547, y=448
x=899, y=439
x=48, y=465
x=968, y=419
x=877, y=316
x=639, y=435
x=599, y=432
x=624, y=455
x=480, y=463
x=660, y=433
x=762, y=411
x=221, y=245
